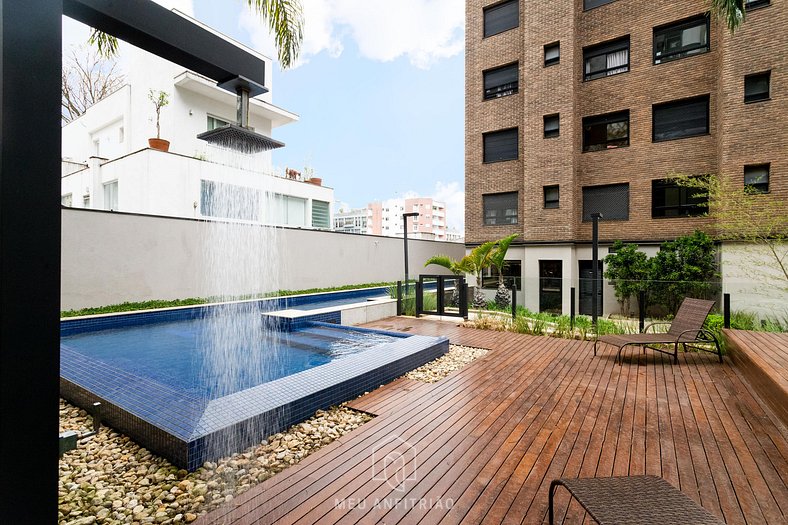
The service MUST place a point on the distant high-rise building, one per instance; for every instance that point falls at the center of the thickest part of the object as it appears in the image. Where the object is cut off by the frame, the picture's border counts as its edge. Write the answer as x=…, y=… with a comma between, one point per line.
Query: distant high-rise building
x=385, y=218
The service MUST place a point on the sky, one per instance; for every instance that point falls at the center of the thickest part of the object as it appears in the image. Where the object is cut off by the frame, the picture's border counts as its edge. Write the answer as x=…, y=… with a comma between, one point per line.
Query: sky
x=378, y=88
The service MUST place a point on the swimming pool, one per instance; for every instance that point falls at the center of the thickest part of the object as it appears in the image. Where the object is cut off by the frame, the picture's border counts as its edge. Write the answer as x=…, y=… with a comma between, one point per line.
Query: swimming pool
x=145, y=370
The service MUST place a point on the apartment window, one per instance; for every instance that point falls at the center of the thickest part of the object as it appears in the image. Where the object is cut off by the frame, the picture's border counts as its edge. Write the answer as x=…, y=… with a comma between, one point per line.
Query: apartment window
x=500, y=145
x=756, y=86
x=552, y=54
x=501, y=17
x=753, y=4
x=121, y=135
x=668, y=199
x=500, y=208
x=512, y=275
x=606, y=131
x=551, y=196
x=590, y=4
x=67, y=199
x=229, y=201
x=86, y=201
x=215, y=122
x=756, y=178
x=551, y=126
x=681, y=39
x=606, y=59
x=611, y=200
x=111, y=195
x=501, y=81
x=681, y=118
x=320, y=214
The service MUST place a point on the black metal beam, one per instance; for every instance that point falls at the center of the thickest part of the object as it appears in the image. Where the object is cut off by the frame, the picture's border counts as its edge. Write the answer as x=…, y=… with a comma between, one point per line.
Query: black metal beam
x=153, y=28
x=30, y=65
x=30, y=215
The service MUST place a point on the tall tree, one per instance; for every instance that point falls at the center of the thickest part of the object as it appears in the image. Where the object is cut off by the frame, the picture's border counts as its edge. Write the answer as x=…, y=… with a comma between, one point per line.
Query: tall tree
x=86, y=79
x=285, y=20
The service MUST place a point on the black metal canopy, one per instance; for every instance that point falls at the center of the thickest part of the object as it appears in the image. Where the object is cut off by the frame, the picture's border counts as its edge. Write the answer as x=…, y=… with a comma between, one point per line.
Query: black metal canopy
x=158, y=30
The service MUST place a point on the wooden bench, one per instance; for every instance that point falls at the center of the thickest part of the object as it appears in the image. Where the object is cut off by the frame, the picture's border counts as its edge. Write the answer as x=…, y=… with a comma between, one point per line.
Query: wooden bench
x=641, y=500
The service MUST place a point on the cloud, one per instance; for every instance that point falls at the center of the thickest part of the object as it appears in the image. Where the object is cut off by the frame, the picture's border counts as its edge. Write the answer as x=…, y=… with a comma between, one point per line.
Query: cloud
x=424, y=31
x=453, y=195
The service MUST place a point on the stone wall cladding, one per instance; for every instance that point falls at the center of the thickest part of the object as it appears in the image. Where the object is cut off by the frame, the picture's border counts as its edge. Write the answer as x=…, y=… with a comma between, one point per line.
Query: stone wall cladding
x=739, y=133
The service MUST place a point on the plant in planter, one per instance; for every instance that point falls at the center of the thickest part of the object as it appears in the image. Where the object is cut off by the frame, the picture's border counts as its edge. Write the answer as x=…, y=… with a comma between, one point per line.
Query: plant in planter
x=159, y=99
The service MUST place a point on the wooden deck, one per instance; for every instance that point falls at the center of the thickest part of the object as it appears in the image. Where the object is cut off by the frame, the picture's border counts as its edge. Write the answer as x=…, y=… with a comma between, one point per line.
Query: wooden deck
x=482, y=445
x=762, y=358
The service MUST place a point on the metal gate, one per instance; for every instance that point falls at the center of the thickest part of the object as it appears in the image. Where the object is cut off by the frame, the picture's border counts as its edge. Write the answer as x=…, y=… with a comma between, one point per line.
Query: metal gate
x=442, y=295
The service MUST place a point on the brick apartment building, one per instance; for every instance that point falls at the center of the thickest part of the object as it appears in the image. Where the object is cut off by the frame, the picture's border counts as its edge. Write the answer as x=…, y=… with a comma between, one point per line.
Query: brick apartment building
x=581, y=106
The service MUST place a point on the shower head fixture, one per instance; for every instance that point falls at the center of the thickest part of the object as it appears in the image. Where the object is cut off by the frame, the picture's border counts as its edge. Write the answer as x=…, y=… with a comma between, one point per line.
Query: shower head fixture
x=238, y=136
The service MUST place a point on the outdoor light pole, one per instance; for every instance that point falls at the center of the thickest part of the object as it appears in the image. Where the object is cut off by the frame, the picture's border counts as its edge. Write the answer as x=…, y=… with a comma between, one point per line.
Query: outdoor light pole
x=594, y=266
x=405, y=238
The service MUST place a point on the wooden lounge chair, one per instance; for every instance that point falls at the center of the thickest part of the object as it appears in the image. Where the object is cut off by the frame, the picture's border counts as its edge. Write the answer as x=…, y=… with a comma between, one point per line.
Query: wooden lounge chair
x=686, y=328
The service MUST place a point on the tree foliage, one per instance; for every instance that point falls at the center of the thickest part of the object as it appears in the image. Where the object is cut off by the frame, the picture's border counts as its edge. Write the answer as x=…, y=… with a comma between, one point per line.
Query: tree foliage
x=630, y=271
x=731, y=12
x=685, y=267
x=86, y=79
x=741, y=213
x=285, y=21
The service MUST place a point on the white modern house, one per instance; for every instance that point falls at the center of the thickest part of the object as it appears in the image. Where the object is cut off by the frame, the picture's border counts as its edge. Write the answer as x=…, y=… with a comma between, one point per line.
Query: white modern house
x=108, y=165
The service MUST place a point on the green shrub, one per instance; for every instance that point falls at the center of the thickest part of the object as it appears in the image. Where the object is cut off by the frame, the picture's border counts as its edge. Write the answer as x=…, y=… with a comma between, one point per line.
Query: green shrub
x=148, y=305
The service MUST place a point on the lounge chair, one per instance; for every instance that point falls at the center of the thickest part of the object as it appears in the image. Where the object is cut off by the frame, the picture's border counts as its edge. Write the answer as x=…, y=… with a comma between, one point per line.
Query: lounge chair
x=633, y=499
x=686, y=329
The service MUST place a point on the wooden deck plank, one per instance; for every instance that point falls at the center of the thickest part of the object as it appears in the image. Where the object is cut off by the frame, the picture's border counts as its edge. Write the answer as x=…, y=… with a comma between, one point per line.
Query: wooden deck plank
x=386, y=397
x=457, y=410
x=458, y=451
x=492, y=436
x=293, y=481
x=490, y=451
x=482, y=493
x=763, y=359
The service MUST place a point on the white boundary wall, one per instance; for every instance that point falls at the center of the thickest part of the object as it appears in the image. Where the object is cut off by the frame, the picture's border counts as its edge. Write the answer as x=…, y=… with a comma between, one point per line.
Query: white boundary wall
x=110, y=257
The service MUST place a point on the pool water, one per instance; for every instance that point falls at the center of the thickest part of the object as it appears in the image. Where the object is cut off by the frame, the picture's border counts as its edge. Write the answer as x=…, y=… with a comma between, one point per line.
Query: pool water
x=172, y=352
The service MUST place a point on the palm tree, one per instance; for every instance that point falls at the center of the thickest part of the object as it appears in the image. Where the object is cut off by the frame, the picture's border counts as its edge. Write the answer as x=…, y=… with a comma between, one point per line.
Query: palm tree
x=473, y=263
x=498, y=261
x=285, y=20
x=731, y=11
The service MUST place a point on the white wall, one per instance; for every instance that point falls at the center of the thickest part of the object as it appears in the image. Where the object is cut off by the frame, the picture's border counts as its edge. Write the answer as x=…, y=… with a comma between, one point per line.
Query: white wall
x=109, y=258
x=751, y=275
x=159, y=183
x=191, y=99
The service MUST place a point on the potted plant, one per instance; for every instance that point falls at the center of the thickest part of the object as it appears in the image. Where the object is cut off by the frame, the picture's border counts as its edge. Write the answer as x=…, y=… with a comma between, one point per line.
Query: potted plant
x=159, y=99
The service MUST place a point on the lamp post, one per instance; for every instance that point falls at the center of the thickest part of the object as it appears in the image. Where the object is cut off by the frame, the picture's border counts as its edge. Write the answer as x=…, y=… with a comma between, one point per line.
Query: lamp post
x=595, y=266
x=405, y=238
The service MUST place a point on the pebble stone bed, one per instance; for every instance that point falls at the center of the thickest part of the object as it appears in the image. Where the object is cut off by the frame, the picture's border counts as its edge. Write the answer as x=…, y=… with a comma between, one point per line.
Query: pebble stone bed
x=109, y=479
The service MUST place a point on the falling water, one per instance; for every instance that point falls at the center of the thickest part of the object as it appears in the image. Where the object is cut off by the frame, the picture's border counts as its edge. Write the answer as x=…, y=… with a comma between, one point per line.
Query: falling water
x=241, y=261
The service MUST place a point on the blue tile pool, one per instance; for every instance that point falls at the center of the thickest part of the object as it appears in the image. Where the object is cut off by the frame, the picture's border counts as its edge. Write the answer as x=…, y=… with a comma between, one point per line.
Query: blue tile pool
x=147, y=371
